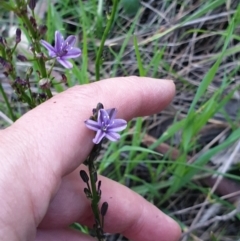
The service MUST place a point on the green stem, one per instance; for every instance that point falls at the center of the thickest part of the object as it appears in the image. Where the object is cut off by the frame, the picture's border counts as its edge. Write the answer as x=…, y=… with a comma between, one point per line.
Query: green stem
x=30, y=93
x=50, y=70
x=7, y=6
x=49, y=93
x=95, y=197
x=14, y=48
x=40, y=61
x=36, y=45
x=7, y=103
x=104, y=37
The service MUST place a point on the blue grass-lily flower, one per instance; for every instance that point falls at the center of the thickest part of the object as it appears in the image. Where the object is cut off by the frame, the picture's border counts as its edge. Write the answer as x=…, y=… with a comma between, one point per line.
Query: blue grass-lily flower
x=106, y=125
x=63, y=49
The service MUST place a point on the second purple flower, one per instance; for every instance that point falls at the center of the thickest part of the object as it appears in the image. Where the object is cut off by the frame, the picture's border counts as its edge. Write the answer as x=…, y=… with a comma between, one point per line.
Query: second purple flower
x=63, y=49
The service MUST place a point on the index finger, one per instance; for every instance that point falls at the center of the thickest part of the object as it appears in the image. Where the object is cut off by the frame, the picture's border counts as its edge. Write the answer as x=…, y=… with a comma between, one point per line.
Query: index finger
x=52, y=140
x=58, y=124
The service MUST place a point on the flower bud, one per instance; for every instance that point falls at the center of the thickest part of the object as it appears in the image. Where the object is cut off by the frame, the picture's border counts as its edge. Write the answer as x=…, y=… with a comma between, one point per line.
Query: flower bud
x=20, y=82
x=40, y=55
x=32, y=4
x=99, y=106
x=41, y=97
x=95, y=110
x=33, y=22
x=42, y=29
x=18, y=35
x=87, y=192
x=21, y=58
x=44, y=83
x=99, y=185
x=64, y=79
x=19, y=85
x=84, y=176
x=104, y=209
x=6, y=65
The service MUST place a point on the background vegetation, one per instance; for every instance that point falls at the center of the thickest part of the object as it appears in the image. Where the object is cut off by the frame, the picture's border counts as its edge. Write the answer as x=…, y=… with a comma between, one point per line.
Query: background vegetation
x=185, y=159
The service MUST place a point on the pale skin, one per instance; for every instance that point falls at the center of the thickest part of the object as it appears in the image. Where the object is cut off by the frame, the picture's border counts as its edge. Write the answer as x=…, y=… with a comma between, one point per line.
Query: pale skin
x=41, y=155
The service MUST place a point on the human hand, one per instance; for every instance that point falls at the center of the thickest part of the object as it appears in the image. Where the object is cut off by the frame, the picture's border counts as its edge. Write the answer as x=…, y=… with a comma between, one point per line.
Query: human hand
x=40, y=188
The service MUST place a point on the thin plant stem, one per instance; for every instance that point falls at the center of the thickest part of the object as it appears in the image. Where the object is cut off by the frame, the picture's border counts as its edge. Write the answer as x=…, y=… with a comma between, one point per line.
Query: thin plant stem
x=36, y=45
x=7, y=6
x=92, y=172
x=14, y=48
x=40, y=61
x=50, y=70
x=7, y=103
x=95, y=197
x=104, y=37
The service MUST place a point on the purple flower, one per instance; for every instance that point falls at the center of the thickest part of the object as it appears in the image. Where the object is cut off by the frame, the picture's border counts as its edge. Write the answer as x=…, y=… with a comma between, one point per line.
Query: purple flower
x=63, y=49
x=106, y=125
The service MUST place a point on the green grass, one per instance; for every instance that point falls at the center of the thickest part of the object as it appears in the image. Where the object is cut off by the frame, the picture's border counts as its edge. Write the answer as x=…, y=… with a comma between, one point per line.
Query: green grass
x=165, y=178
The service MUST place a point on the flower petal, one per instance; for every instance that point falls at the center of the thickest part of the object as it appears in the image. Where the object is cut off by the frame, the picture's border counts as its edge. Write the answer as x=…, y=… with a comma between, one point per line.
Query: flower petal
x=103, y=117
x=117, y=125
x=48, y=46
x=93, y=125
x=59, y=41
x=99, y=136
x=65, y=63
x=70, y=41
x=113, y=136
x=112, y=113
x=72, y=53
